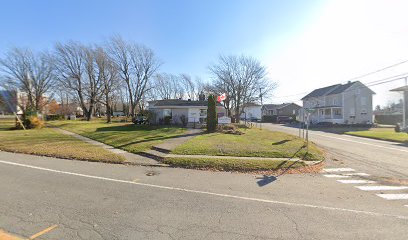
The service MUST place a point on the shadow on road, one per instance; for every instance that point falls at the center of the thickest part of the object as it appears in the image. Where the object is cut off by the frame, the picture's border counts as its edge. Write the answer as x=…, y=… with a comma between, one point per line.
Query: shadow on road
x=265, y=180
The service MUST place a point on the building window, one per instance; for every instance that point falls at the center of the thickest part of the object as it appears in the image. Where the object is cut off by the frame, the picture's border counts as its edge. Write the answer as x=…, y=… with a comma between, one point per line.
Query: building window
x=203, y=112
x=166, y=112
x=363, y=111
x=352, y=112
x=337, y=111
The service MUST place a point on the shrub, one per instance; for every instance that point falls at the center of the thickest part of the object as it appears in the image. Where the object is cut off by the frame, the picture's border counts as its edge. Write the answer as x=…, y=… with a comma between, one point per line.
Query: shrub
x=211, y=114
x=397, y=128
x=269, y=118
x=30, y=122
x=229, y=129
x=167, y=120
x=183, y=120
x=52, y=117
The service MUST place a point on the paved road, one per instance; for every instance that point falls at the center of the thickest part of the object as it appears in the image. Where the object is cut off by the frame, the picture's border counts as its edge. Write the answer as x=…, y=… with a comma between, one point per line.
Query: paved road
x=103, y=201
x=380, y=158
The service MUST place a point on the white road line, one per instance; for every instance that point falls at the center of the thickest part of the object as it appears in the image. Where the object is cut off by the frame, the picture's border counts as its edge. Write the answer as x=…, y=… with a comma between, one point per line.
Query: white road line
x=335, y=176
x=381, y=188
x=210, y=193
x=356, y=174
x=338, y=170
x=369, y=144
x=393, y=196
x=353, y=181
x=354, y=141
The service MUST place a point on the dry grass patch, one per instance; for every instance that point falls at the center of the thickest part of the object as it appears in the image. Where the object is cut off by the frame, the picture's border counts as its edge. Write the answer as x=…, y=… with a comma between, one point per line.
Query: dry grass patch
x=48, y=142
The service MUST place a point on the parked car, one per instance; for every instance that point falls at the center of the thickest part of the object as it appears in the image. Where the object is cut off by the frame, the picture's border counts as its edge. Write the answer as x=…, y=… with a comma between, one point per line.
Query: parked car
x=284, y=119
x=140, y=119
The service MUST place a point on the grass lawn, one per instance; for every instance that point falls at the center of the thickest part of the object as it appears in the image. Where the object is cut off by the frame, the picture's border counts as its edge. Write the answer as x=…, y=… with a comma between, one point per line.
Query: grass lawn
x=231, y=164
x=387, y=134
x=48, y=142
x=254, y=143
x=127, y=136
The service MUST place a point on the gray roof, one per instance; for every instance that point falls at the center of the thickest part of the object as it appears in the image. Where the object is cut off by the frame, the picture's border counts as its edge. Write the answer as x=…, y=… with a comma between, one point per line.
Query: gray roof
x=276, y=106
x=333, y=89
x=179, y=102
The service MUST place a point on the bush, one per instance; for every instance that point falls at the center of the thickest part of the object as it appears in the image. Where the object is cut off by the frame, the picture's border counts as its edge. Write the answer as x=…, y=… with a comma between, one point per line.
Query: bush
x=52, y=117
x=397, y=128
x=31, y=122
x=167, y=120
x=269, y=118
x=229, y=129
x=183, y=120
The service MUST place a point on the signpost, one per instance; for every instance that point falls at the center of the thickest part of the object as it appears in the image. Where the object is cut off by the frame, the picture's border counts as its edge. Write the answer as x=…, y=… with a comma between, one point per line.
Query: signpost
x=224, y=120
x=308, y=111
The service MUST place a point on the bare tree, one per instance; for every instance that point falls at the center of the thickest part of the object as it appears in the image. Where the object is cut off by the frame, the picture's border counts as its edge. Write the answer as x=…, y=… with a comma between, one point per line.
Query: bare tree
x=30, y=73
x=136, y=64
x=243, y=79
x=189, y=86
x=108, y=74
x=77, y=71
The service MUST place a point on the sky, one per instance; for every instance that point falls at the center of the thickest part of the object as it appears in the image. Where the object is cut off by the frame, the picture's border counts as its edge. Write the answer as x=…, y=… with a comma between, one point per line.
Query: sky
x=303, y=44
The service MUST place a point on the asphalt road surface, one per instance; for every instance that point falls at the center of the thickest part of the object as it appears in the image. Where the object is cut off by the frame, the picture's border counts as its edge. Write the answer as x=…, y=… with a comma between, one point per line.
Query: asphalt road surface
x=381, y=159
x=86, y=200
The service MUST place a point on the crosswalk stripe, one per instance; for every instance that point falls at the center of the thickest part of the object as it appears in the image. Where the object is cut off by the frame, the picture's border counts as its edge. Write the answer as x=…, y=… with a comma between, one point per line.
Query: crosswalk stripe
x=377, y=188
x=356, y=174
x=338, y=170
x=335, y=176
x=393, y=196
x=351, y=181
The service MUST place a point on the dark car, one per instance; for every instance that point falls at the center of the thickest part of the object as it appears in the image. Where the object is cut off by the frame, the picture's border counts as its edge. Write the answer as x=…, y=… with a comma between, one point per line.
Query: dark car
x=284, y=119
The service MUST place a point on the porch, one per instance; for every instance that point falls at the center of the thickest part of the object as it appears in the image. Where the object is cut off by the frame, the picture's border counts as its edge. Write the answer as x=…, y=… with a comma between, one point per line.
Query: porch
x=328, y=114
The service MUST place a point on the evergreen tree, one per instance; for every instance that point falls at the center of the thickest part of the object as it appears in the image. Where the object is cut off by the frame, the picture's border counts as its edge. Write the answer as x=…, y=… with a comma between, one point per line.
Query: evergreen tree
x=211, y=114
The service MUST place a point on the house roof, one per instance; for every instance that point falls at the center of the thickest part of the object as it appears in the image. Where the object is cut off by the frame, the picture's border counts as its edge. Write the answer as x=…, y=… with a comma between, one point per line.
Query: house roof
x=400, y=89
x=179, y=103
x=333, y=89
x=321, y=91
x=276, y=106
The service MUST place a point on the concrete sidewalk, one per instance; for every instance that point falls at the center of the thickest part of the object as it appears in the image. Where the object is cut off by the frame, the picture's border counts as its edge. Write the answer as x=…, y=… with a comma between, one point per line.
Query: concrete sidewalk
x=131, y=158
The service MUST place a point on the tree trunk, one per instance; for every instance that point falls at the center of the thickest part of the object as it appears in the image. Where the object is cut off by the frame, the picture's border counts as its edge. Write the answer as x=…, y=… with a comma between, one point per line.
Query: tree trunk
x=108, y=110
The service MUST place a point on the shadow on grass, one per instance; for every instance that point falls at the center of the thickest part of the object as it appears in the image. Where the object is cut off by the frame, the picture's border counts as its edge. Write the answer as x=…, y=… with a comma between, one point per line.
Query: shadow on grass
x=281, y=142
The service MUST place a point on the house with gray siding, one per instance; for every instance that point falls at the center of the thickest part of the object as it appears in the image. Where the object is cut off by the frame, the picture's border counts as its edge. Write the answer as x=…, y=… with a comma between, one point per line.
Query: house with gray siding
x=195, y=112
x=350, y=103
x=284, y=109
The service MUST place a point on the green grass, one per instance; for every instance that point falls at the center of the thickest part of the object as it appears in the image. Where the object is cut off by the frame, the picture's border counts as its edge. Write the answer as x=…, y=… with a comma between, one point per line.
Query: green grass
x=254, y=143
x=49, y=142
x=6, y=123
x=126, y=136
x=232, y=164
x=387, y=134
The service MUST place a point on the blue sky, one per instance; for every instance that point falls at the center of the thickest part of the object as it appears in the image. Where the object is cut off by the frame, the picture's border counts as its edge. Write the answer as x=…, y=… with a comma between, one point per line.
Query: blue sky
x=304, y=44
x=186, y=35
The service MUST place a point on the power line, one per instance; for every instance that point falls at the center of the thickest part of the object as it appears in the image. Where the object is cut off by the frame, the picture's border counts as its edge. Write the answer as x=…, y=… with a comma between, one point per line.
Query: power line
x=377, y=71
x=380, y=81
x=354, y=78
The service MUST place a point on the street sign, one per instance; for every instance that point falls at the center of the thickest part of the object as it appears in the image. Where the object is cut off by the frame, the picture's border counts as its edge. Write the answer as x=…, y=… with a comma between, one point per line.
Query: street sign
x=224, y=120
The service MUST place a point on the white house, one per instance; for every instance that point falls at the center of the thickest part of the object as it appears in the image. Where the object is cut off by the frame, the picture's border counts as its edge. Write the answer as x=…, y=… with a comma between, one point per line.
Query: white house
x=350, y=103
x=252, y=111
x=177, y=109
